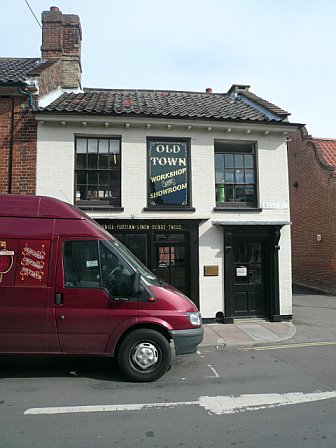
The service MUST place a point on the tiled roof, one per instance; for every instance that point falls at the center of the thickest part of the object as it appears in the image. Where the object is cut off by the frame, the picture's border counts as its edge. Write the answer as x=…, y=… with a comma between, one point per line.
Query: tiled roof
x=327, y=148
x=244, y=91
x=17, y=70
x=160, y=103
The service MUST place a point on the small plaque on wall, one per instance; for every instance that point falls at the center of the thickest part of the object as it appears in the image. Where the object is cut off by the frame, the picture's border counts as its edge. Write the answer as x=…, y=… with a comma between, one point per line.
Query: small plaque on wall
x=210, y=271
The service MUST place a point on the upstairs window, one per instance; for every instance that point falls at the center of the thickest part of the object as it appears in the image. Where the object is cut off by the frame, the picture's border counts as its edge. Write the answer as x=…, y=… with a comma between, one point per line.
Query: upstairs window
x=235, y=173
x=97, y=172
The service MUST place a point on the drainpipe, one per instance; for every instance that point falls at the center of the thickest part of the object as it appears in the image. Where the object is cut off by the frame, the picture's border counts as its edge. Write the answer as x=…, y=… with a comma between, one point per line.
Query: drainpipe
x=11, y=144
x=30, y=98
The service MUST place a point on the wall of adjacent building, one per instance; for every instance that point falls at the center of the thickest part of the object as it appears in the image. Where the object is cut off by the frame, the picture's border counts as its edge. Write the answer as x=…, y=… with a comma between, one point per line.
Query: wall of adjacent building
x=18, y=134
x=313, y=211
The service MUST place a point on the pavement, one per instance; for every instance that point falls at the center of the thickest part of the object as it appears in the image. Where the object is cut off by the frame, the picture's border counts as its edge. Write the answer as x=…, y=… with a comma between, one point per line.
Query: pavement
x=247, y=333
x=314, y=319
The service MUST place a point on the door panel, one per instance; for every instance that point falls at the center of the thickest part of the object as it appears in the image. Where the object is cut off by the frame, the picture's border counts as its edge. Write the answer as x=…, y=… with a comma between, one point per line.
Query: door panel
x=87, y=314
x=247, y=264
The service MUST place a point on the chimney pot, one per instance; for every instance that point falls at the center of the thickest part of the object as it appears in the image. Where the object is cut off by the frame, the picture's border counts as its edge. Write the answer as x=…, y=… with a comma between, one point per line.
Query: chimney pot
x=208, y=90
x=54, y=8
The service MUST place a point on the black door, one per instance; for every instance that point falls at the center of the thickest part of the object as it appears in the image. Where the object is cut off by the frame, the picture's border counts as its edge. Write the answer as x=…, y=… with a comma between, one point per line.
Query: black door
x=247, y=272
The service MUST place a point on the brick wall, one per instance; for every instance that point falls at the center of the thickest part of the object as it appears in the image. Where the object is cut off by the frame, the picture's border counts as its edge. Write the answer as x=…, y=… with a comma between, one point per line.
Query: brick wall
x=61, y=38
x=313, y=215
x=18, y=136
x=50, y=78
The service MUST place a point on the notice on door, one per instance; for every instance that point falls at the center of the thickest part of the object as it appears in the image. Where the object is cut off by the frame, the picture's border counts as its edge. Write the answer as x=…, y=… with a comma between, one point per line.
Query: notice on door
x=241, y=271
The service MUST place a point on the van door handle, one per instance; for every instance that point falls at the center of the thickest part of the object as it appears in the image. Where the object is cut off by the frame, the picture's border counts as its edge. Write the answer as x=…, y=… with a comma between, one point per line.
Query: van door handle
x=58, y=298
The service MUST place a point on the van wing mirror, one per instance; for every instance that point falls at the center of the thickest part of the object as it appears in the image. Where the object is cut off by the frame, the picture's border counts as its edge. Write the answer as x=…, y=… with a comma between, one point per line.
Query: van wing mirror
x=136, y=286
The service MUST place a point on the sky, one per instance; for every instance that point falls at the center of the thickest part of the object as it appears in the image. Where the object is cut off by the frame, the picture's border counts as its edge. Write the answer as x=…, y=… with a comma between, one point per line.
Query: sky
x=285, y=50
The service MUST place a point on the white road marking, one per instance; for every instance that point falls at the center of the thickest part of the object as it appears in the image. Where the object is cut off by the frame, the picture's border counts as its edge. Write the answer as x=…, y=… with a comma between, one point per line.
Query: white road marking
x=213, y=371
x=213, y=405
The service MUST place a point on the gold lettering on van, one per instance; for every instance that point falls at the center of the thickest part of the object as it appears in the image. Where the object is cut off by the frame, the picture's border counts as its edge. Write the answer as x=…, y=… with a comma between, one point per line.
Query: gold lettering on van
x=32, y=263
x=6, y=259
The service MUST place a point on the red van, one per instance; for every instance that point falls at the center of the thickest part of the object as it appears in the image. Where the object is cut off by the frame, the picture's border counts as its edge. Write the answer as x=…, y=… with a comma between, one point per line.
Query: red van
x=69, y=287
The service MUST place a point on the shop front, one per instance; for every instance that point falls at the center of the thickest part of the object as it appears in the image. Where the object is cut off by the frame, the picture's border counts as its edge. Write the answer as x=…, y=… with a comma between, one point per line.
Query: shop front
x=170, y=249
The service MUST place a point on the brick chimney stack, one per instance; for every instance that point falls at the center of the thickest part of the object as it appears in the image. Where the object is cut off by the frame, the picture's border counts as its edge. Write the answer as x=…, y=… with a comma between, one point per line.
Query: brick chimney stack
x=61, y=39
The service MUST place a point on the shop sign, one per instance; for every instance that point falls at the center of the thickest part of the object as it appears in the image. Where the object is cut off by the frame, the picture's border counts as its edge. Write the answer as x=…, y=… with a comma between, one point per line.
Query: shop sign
x=137, y=227
x=168, y=173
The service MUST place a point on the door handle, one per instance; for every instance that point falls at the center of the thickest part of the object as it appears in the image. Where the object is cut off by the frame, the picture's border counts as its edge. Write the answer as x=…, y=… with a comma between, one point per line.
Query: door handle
x=58, y=298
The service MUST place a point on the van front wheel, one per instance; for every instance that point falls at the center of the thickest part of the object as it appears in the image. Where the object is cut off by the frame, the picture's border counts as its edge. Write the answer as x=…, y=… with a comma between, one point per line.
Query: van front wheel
x=144, y=355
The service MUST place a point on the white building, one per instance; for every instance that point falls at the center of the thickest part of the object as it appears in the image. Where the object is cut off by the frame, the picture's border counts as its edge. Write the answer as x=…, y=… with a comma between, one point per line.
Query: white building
x=195, y=184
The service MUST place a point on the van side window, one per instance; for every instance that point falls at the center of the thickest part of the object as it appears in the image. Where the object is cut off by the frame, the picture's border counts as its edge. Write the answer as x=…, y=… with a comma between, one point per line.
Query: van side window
x=116, y=275
x=84, y=269
x=81, y=264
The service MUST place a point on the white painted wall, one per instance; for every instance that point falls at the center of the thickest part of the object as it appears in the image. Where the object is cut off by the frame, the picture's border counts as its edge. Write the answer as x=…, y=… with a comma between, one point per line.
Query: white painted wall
x=55, y=177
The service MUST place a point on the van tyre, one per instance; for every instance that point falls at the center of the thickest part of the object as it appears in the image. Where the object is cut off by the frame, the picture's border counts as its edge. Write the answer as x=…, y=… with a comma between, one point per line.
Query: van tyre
x=144, y=355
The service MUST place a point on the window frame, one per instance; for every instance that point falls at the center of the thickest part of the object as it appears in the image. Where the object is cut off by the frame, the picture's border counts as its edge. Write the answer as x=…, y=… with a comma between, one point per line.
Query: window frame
x=92, y=203
x=253, y=150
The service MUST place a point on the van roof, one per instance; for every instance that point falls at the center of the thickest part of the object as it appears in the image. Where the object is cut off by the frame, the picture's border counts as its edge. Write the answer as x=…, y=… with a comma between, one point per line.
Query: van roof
x=30, y=206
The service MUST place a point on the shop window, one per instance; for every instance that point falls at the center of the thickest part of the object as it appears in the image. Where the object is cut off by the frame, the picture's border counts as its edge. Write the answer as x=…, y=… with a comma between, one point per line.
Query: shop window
x=97, y=172
x=168, y=174
x=235, y=174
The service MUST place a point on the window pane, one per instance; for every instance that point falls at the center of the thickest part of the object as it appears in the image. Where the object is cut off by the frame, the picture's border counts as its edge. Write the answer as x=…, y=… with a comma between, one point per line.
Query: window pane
x=81, y=160
x=114, y=146
x=81, y=145
x=81, y=177
x=239, y=160
x=250, y=195
x=219, y=177
x=92, y=145
x=103, y=161
x=92, y=177
x=103, y=178
x=219, y=166
x=248, y=159
x=103, y=146
x=92, y=160
x=229, y=176
x=229, y=194
x=249, y=176
x=240, y=194
x=81, y=264
x=220, y=193
x=239, y=176
x=92, y=193
x=114, y=160
x=229, y=161
x=219, y=161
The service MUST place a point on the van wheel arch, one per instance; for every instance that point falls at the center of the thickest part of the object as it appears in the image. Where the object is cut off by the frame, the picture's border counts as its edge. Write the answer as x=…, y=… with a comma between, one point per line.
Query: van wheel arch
x=157, y=328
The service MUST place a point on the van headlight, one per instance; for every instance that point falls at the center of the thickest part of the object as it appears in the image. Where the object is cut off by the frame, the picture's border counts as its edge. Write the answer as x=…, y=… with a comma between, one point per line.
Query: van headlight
x=195, y=318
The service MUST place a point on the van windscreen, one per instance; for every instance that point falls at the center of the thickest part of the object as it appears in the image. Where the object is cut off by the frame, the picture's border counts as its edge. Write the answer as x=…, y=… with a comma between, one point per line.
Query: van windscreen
x=132, y=260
